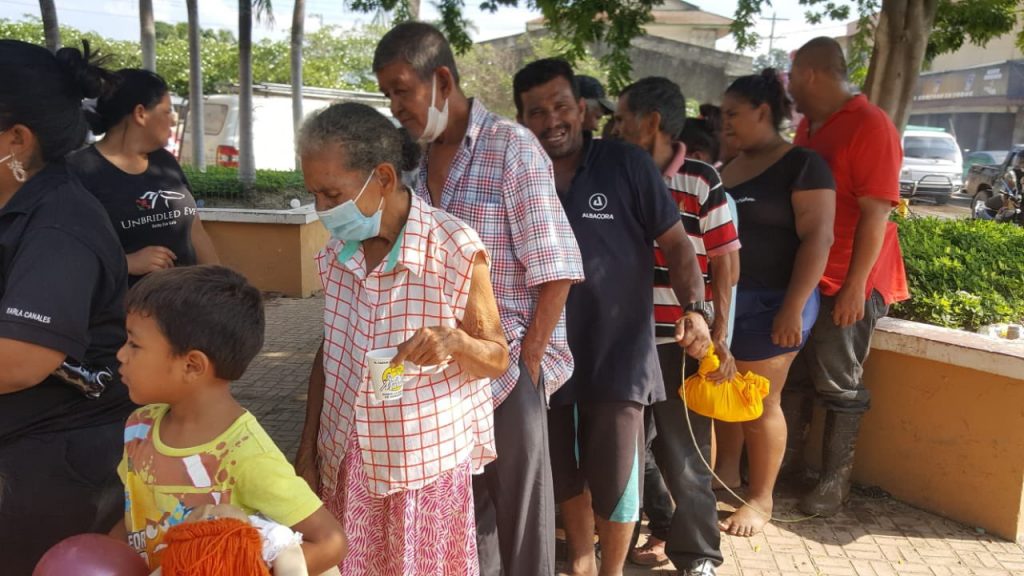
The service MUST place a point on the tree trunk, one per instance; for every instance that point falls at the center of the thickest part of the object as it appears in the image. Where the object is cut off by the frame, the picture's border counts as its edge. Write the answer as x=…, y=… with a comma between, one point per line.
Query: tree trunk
x=414, y=9
x=246, y=158
x=51, y=29
x=901, y=37
x=195, y=86
x=298, y=34
x=147, y=28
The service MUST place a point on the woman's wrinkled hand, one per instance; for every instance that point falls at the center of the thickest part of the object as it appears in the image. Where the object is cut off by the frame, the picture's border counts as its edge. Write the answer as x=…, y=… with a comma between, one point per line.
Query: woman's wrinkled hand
x=429, y=346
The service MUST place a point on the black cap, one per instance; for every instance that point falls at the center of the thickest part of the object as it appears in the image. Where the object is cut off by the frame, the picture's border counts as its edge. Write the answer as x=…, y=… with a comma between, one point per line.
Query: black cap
x=591, y=89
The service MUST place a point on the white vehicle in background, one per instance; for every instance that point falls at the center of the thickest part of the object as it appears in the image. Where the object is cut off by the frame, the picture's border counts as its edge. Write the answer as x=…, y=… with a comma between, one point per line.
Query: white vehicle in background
x=933, y=165
x=273, y=134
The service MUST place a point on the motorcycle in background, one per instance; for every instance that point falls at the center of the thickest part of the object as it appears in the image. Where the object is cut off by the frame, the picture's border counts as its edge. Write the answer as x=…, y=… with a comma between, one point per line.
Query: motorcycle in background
x=1005, y=204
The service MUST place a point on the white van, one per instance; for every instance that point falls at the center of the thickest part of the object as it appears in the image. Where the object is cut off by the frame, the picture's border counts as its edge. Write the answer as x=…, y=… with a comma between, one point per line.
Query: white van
x=273, y=135
x=933, y=164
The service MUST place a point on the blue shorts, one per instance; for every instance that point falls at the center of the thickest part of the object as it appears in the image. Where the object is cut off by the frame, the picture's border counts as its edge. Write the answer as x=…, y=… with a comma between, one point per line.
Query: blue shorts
x=755, y=314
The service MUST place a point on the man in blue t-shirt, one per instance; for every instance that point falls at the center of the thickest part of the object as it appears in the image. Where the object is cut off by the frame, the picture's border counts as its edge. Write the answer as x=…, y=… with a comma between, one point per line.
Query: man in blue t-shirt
x=618, y=206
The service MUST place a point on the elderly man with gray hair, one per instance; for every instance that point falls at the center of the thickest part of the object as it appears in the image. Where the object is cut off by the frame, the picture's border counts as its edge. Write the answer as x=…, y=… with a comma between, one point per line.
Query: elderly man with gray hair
x=492, y=174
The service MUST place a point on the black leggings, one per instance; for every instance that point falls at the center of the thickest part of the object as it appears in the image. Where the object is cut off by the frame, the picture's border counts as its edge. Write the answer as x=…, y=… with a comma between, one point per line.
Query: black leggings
x=57, y=485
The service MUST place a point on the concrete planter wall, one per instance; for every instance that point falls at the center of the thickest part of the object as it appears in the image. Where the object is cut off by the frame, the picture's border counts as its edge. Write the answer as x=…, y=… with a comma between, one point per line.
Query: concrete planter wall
x=946, y=428
x=274, y=249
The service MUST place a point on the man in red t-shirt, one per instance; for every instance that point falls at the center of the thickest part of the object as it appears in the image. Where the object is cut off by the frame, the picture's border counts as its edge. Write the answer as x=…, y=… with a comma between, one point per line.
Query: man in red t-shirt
x=864, y=274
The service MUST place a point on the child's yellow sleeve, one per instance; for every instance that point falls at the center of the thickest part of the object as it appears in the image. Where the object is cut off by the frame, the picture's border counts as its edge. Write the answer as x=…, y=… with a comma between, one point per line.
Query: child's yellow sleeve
x=268, y=484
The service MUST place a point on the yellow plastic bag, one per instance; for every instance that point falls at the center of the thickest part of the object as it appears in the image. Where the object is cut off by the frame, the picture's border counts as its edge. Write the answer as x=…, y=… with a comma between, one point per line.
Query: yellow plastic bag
x=738, y=400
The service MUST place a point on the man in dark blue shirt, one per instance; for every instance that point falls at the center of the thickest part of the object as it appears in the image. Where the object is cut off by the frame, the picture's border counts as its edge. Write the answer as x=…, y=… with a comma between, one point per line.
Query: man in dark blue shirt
x=618, y=206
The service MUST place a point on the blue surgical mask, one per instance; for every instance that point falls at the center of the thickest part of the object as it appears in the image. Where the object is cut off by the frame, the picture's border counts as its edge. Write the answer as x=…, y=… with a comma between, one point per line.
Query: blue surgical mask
x=346, y=223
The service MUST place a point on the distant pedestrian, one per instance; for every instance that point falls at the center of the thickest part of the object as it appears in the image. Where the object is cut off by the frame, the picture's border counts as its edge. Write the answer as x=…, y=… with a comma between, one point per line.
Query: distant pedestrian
x=598, y=104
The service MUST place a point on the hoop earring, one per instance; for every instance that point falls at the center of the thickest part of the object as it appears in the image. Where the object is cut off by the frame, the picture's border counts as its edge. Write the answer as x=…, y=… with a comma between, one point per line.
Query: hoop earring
x=17, y=169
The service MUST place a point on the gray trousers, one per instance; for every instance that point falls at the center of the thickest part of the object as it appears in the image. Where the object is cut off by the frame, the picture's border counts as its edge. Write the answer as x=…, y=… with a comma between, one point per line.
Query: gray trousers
x=833, y=359
x=693, y=534
x=514, y=497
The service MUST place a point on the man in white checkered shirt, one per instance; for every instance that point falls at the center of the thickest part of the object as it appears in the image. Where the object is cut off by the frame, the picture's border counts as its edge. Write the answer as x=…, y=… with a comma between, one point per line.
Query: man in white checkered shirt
x=492, y=174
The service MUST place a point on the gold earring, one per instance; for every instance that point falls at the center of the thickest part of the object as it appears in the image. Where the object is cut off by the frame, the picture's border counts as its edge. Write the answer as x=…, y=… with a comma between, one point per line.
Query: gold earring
x=17, y=169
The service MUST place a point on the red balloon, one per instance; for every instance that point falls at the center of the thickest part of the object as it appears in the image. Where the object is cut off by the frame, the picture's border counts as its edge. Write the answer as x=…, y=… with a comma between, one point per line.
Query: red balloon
x=91, y=555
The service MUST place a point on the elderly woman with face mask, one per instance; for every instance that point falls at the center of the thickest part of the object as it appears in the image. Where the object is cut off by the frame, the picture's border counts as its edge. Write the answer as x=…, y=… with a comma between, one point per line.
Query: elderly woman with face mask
x=397, y=274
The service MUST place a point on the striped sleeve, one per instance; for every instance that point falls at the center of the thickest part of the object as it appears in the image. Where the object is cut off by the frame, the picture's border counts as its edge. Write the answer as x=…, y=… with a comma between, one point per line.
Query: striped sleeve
x=716, y=222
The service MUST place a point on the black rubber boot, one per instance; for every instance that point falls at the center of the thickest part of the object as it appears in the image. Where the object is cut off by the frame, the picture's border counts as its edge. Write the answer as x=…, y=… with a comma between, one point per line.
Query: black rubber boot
x=838, y=446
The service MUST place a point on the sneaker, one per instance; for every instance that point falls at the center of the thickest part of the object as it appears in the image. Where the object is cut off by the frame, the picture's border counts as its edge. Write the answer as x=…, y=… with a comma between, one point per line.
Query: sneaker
x=651, y=554
x=700, y=568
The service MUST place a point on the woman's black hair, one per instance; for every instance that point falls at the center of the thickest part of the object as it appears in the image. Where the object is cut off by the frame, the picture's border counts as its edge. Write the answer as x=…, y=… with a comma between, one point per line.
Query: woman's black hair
x=764, y=88
x=132, y=87
x=44, y=92
x=698, y=136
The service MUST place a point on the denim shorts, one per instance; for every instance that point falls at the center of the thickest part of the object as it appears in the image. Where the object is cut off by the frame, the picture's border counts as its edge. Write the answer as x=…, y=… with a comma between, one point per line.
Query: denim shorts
x=755, y=314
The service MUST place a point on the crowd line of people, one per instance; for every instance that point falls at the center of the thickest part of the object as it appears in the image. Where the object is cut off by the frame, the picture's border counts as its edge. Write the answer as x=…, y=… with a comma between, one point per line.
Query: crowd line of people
x=542, y=288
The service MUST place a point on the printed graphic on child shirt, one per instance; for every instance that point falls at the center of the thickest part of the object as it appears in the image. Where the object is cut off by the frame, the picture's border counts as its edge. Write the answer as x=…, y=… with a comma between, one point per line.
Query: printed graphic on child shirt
x=241, y=467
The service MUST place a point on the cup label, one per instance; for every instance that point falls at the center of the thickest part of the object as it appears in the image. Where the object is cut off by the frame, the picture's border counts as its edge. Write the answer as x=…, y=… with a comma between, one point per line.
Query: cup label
x=392, y=382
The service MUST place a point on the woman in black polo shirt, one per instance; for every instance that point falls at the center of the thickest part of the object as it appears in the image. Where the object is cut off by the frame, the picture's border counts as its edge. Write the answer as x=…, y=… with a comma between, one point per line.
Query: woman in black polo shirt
x=138, y=181
x=785, y=196
x=62, y=287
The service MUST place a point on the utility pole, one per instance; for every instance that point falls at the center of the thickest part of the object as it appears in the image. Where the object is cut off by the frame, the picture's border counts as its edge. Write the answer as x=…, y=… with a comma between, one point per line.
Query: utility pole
x=771, y=39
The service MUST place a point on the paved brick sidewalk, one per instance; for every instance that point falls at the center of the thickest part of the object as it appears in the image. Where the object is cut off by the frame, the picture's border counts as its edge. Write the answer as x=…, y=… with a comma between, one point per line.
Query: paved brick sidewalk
x=872, y=537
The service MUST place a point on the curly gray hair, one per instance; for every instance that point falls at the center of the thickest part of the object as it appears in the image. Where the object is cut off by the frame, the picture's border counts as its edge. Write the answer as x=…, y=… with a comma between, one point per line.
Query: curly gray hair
x=367, y=137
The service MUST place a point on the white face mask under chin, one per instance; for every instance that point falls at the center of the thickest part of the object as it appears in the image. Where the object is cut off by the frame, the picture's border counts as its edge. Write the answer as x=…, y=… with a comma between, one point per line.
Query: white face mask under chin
x=437, y=120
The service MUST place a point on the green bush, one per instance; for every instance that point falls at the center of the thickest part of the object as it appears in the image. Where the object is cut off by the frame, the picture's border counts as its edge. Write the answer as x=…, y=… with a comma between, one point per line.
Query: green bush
x=962, y=273
x=222, y=183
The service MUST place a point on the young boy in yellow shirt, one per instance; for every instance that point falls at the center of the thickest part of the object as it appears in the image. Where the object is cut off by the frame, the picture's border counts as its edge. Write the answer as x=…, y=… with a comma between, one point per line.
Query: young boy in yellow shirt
x=191, y=332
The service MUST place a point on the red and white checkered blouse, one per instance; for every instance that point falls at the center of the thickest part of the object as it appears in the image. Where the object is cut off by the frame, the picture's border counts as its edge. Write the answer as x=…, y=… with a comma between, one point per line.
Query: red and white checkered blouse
x=441, y=419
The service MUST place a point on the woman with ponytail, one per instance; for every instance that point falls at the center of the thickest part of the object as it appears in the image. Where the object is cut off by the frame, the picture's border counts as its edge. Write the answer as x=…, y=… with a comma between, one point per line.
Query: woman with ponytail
x=786, y=202
x=62, y=289
x=141, y=185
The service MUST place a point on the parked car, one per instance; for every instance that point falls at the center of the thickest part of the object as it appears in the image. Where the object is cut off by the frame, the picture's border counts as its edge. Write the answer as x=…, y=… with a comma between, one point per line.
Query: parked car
x=273, y=133
x=932, y=164
x=983, y=157
x=984, y=179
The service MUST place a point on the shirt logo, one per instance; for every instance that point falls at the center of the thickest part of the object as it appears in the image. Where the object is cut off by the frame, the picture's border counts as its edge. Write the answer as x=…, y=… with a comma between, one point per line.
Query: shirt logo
x=151, y=200
x=598, y=202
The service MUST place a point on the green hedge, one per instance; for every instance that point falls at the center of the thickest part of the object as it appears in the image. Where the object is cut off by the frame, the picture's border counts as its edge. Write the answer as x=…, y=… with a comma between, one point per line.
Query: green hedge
x=962, y=273
x=222, y=183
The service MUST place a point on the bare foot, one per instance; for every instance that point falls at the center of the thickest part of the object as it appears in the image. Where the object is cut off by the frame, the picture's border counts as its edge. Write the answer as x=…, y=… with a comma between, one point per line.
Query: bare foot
x=746, y=521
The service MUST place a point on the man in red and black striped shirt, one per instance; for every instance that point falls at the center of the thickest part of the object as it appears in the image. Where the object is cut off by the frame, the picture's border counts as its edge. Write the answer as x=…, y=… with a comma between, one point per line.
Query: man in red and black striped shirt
x=650, y=113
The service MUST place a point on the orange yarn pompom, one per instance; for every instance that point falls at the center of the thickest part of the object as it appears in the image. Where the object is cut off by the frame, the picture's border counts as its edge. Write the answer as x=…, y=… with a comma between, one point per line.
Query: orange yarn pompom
x=221, y=547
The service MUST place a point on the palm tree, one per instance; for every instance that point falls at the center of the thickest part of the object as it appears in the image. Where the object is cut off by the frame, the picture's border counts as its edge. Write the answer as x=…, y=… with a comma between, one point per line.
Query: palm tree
x=51, y=29
x=246, y=158
x=148, y=31
x=195, y=85
x=298, y=32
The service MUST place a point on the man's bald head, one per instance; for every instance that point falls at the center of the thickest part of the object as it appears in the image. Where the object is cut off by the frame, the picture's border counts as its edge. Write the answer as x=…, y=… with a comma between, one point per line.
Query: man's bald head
x=822, y=54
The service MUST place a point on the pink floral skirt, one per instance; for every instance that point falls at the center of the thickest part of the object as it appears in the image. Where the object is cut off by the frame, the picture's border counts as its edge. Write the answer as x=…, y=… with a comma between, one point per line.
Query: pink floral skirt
x=430, y=531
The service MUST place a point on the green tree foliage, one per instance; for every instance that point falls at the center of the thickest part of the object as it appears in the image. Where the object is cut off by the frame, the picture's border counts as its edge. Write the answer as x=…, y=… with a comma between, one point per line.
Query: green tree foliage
x=778, y=59
x=579, y=22
x=121, y=54
x=956, y=22
x=486, y=72
x=335, y=57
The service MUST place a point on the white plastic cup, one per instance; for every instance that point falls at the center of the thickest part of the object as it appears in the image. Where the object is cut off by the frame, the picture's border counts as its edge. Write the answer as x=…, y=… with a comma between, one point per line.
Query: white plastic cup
x=387, y=381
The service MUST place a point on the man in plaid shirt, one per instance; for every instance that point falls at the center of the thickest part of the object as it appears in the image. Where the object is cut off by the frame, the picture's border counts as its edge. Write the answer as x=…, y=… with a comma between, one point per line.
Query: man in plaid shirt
x=493, y=174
